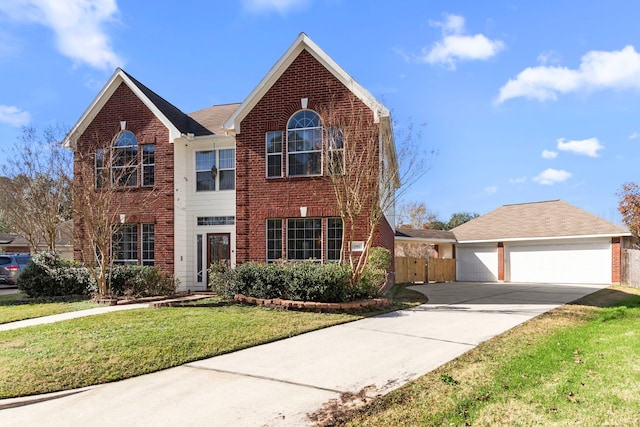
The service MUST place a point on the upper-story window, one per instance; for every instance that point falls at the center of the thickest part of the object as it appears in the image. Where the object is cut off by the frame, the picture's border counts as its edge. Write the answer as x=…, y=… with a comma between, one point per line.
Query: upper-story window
x=273, y=147
x=216, y=170
x=335, y=151
x=125, y=162
x=304, y=144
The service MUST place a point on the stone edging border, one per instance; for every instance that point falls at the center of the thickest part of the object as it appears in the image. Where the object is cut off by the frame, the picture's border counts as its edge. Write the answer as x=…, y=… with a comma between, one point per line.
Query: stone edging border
x=323, y=307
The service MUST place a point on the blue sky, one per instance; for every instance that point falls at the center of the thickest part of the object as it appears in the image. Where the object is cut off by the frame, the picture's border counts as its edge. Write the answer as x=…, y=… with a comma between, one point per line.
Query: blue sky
x=523, y=101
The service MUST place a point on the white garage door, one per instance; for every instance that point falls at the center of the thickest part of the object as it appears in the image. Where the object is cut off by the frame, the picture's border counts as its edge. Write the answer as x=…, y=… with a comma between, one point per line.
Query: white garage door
x=477, y=263
x=584, y=262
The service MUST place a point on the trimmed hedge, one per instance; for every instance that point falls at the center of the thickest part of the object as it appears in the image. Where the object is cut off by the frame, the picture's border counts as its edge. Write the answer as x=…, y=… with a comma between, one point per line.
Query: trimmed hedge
x=299, y=281
x=136, y=281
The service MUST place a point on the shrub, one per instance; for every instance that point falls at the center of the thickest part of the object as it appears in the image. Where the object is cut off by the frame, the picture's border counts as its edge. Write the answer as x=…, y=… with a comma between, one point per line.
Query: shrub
x=137, y=281
x=304, y=281
x=48, y=275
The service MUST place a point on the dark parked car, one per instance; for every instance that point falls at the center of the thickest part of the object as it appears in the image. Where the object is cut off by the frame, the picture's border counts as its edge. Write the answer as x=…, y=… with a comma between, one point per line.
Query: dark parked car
x=10, y=267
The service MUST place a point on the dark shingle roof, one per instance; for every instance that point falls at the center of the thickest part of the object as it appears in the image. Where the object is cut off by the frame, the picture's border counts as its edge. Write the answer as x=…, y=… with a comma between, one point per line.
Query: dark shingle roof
x=554, y=218
x=436, y=235
x=180, y=120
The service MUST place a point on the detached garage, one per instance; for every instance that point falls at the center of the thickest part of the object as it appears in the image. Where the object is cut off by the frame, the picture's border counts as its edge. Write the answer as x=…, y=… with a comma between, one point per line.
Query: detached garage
x=540, y=242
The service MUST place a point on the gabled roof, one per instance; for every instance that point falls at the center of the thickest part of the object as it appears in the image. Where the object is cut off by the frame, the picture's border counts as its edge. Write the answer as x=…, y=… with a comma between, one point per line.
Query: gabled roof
x=213, y=117
x=175, y=120
x=303, y=42
x=538, y=220
x=435, y=236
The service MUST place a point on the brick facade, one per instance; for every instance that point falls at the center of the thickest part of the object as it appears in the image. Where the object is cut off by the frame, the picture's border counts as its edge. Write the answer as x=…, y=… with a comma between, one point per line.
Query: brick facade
x=616, y=260
x=139, y=205
x=259, y=198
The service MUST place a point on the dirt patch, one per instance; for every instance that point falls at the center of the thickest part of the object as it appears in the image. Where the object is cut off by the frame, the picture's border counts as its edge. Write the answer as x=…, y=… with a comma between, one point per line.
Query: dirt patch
x=339, y=411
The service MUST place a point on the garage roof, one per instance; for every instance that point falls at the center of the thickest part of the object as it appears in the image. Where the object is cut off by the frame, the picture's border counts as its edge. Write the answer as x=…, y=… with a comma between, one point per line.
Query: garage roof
x=538, y=220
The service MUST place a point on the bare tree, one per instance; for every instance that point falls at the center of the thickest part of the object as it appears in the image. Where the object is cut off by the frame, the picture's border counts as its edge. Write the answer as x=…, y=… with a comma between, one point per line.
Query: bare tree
x=629, y=206
x=106, y=195
x=35, y=189
x=414, y=214
x=366, y=171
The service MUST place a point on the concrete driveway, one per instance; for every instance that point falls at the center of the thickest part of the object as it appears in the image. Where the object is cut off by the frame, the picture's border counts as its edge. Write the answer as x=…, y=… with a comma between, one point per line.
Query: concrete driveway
x=280, y=383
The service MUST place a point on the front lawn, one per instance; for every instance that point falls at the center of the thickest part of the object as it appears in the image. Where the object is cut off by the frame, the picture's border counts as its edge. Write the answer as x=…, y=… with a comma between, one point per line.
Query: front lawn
x=576, y=365
x=13, y=309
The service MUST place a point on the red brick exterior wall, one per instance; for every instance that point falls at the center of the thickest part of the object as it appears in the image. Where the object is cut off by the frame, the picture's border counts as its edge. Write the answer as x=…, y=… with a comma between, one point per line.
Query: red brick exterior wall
x=259, y=198
x=140, y=205
x=501, y=261
x=616, y=263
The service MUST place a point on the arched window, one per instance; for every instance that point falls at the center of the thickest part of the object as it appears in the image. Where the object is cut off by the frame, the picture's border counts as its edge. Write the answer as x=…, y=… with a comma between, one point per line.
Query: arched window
x=124, y=165
x=304, y=144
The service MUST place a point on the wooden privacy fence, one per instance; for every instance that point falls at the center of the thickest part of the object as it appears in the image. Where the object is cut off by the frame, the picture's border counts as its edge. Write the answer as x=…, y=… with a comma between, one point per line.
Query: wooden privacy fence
x=421, y=270
x=630, y=267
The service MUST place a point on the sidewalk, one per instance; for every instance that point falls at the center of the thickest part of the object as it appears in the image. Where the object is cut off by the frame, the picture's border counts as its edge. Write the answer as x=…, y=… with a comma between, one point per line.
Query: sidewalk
x=280, y=383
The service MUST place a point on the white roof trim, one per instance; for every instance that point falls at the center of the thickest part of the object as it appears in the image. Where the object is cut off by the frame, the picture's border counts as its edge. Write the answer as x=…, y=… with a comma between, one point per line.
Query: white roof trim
x=525, y=239
x=303, y=42
x=101, y=99
x=423, y=240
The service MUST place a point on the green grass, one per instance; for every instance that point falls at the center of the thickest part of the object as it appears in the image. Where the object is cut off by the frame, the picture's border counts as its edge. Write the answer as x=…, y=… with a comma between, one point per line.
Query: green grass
x=114, y=346
x=12, y=309
x=120, y=345
x=577, y=365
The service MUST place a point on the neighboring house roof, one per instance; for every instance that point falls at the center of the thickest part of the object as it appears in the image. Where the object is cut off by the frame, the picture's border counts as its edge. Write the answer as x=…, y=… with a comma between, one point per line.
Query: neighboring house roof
x=213, y=117
x=64, y=237
x=178, y=123
x=303, y=42
x=424, y=236
x=538, y=220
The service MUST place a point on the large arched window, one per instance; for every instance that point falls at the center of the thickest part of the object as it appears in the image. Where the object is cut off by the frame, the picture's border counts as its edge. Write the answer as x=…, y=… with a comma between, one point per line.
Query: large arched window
x=124, y=161
x=124, y=166
x=304, y=144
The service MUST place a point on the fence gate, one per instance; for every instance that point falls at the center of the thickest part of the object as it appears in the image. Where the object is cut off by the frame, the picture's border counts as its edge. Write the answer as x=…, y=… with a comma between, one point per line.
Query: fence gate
x=420, y=270
x=410, y=270
x=631, y=267
x=441, y=270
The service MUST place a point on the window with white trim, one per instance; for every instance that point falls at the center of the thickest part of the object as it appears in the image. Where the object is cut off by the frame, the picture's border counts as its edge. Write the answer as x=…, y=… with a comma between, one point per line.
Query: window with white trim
x=125, y=244
x=273, y=147
x=274, y=240
x=304, y=239
x=124, y=161
x=334, y=238
x=304, y=144
x=335, y=151
x=216, y=169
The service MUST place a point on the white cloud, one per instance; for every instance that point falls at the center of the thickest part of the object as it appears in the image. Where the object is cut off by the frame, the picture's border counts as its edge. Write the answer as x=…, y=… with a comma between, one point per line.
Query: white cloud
x=549, y=57
x=455, y=46
x=520, y=180
x=13, y=116
x=77, y=25
x=598, y=70
x=634, y=135
x=548, y=154
x=588, y=147
x=281, y=6
x=552, y=176
x=491, y=190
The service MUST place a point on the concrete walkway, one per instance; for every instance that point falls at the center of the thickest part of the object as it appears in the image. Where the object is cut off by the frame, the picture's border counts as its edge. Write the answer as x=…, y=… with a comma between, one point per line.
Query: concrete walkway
x=280, y=383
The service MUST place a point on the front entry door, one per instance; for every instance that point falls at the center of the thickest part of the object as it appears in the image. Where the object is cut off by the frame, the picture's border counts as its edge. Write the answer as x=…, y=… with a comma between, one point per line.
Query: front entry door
x=218, y=249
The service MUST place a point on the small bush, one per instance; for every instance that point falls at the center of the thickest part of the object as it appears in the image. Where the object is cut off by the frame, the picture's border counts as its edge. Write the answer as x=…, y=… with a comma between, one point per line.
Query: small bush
x=136, y=281
x=303, y=281
x=48, y=275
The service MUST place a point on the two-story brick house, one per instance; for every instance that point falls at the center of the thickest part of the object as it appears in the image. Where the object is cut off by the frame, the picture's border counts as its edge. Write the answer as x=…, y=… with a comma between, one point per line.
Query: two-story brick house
x=237, y=182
